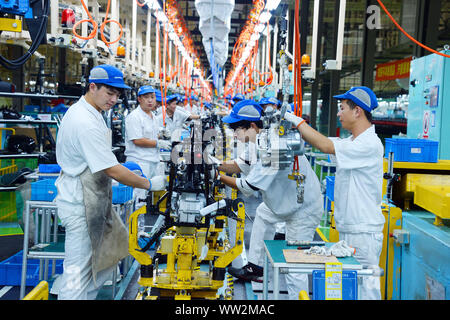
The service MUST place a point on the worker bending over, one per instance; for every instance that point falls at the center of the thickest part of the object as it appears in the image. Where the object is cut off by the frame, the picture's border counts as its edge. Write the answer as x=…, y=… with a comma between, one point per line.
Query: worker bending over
x=96, y=238
x=279, y=194
x=358, y=181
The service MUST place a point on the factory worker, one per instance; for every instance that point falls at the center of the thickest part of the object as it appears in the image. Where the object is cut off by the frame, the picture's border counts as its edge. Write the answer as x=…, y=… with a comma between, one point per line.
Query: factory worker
x=279, y=194
x=175, y=116
x=358, y=181
x=272, y=102
x=96, y=238
x=158, y=98
x=238, y=97
x=195, y=109
x=141, y=138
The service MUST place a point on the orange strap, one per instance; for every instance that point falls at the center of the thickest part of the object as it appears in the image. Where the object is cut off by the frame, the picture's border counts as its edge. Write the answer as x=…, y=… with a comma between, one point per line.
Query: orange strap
x=410, y=37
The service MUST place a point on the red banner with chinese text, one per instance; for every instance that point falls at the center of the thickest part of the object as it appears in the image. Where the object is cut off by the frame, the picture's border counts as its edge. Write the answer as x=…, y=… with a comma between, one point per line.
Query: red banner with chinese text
x=393, y=70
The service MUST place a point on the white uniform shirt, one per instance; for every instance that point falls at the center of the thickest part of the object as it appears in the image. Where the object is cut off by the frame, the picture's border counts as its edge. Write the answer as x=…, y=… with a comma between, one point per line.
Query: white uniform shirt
x=279, y=192
x=195, y=109
x=358, y=183
x=83, y=141
x=248, y=157
x=176, y=122
x=140, y=125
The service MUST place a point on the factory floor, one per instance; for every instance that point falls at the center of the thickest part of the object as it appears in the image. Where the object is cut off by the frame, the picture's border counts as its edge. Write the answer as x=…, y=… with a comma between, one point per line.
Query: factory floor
x=127, y=287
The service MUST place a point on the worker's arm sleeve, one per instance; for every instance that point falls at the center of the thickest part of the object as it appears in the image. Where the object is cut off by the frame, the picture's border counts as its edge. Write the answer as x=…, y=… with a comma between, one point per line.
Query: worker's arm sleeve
x=244, y=187
x=259, y=178
x=353, y=154
x=247, y=158
x=97, y=150
x=180, y=113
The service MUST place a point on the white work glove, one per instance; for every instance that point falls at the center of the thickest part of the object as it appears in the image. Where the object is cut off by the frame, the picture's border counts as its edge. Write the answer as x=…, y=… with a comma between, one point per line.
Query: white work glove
x=292, y=118
x=342, y=249
x=157, y=183
x=164, y=144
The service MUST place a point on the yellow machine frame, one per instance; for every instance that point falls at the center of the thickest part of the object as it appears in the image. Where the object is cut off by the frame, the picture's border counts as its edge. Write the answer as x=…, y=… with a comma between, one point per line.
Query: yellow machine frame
x=182, y=278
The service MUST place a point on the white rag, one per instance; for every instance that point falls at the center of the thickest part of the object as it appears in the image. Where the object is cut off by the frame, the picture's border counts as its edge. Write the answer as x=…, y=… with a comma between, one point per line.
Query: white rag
x=339, y=249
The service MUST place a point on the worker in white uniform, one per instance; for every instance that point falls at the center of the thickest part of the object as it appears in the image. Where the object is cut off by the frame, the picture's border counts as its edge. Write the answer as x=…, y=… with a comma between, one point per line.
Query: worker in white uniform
x=195, y=108
x=175, y=116
x=358, y=181
x=141, y=138
x=279, y=194
x=96, y=238
x=274, y=104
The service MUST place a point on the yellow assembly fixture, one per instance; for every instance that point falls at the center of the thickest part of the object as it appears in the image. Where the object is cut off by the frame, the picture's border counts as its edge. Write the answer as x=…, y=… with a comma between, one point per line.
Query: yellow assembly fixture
x=184, y=249
x=40, y=292
x=13, y=25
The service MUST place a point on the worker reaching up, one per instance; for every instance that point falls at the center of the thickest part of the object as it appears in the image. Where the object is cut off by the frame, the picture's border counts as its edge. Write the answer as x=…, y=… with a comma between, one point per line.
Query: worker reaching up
x=279, y=194
x=358, y=181
x=96, y=238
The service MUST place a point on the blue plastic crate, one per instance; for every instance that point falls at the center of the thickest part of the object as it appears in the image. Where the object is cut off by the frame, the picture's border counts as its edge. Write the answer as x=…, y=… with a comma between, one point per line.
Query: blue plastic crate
x=11, y=270
x=49, y=168
x=349, y=285
x=412, y=150
x=43, y=190
x=330, y=187
x=121, y=193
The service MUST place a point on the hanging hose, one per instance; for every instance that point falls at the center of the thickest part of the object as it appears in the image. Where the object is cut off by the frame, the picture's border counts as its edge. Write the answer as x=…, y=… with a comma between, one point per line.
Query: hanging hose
x=42, y=32
x=297, y=65
x=90, y=19
x=95, y=26
x=163, y=98
x=102, y=27
x=407, y=35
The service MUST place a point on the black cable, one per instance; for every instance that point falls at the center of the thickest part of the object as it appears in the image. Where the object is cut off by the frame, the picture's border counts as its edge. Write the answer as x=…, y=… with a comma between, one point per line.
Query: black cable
x=15, y=64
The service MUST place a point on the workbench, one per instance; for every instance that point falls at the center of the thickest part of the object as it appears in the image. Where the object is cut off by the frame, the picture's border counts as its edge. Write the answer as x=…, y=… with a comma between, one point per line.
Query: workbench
x=274, y=255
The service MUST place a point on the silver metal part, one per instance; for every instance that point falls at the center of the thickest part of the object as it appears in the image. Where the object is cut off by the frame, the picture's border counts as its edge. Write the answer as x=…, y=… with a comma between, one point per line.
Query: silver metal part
x=188, y=207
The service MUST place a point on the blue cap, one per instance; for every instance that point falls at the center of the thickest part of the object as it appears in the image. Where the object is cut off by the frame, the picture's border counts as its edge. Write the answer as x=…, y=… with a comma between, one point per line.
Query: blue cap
x=181, y=98
x=238, y=97
x=109, y=75
x=270, y=100
x=146, y=89
x=362, y=96
x=172, y=97
x=193, y=97
x=158, y=95
x=244, y=110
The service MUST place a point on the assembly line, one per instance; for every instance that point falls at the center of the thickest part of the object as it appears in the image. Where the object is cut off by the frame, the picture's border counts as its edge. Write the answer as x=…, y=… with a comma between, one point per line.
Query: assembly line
x=143, y=173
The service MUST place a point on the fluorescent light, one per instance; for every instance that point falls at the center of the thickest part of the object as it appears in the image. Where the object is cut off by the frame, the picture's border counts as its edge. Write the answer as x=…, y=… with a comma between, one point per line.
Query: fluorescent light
x=265, y=16
x=272, y=4
x=260, y=27
x=255, y=37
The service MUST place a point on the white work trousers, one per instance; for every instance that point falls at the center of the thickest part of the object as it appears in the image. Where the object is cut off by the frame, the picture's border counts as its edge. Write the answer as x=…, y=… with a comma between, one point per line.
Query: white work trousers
x=367, y=251
x=264, y=228
x=77, y=281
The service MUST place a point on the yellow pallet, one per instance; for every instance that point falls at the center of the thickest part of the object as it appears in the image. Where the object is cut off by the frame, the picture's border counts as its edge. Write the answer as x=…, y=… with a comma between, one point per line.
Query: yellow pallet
x=435, y=199
x=8, y=169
